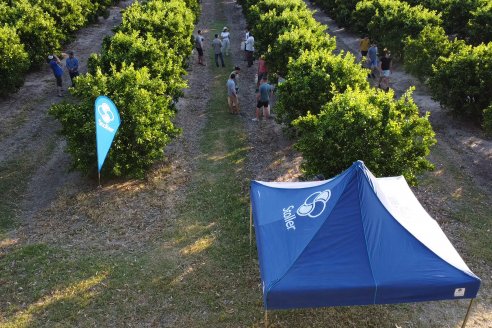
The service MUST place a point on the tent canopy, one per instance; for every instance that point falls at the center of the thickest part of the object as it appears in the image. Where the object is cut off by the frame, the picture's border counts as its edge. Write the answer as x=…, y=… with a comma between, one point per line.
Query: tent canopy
x=352, y=240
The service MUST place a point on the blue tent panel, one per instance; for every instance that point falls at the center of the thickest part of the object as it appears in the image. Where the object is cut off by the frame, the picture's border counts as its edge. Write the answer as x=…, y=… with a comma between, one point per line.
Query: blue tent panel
x=335, y=243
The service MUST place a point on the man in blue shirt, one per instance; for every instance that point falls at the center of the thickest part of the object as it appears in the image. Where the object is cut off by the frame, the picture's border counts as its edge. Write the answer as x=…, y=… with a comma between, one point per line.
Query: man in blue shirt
x=56, y=66
x=263, y=96
x=372, y=56
x=73, y=66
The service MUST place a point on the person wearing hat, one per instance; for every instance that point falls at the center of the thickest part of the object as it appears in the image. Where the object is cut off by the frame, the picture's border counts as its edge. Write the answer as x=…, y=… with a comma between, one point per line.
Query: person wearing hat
x=56, y=67
x=226, y=43
x=72, y=64
x=236, y=72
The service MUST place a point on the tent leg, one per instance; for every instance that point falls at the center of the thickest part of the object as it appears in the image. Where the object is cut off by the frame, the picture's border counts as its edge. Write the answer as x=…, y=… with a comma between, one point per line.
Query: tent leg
x=467, y=313
x=250, y=227
x=266, y=318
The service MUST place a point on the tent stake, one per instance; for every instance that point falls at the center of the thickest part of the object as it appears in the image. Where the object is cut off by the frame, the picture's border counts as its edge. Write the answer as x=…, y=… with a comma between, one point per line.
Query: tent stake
x=467, y=313
x=266, y=318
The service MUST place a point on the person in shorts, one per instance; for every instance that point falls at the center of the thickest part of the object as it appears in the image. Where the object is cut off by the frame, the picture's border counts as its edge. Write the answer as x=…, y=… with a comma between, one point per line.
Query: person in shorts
x=232, y=95
x=263, y=97
x=56, y=67
x=199, y=47
x=385, y=70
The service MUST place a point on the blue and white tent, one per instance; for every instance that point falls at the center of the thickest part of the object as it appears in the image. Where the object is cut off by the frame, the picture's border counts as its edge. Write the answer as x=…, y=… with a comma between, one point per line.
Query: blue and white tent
x=352, y=240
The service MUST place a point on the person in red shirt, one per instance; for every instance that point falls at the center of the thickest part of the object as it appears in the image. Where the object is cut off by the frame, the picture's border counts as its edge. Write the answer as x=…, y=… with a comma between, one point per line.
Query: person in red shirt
x=262, y=70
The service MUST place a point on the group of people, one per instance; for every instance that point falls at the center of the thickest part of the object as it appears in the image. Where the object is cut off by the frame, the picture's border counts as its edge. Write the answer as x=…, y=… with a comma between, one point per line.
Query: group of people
x=56, y=66
x=221, y=47
x=378, y=66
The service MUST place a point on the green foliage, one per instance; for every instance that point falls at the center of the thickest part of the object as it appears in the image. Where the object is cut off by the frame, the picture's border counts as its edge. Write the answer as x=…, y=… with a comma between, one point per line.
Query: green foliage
x=146, y=113
x=480, y=24
x=292, y=43
x=463, y=81
x=273, y=23
x=158, y=56
x=340, y=10
x=42, y=26
x=141, y=69
x=167, y=20
x=423, y=51
x=387, y=134
x=69, y=15
x=36, y=30
x=313, y=79
x=389, y=22
x=14, y=60
x=487, y=120
x=261, y=7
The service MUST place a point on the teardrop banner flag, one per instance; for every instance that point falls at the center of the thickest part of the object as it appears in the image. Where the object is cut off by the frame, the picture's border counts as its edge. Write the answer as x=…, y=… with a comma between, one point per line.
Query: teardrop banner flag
x=107, y=123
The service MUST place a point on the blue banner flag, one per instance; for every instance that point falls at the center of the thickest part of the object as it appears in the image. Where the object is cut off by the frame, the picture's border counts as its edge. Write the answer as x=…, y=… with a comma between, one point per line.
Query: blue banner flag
x=107, y=123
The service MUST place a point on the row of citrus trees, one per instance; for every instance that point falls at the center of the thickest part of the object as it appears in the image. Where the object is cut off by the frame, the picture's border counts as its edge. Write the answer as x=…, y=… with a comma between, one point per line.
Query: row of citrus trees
x=458, y=73
x=338, y=118
x=141, y=69
x=32, y=29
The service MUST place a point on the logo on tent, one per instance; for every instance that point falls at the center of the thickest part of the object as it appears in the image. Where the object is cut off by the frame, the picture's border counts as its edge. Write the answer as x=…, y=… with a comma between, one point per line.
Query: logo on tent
x=315, y=204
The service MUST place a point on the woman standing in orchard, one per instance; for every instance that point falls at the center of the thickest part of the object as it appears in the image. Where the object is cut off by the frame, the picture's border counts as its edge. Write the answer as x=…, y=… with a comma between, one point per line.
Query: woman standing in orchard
x=226, y=43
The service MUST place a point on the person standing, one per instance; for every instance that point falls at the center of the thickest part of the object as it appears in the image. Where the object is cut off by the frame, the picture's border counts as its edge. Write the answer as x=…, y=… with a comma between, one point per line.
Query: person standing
x=263, y=97
x=199, y=47
x=364, y=44
x=217, y=45
x=372, y=58
x=262, y=70
x=226, y=42
x=250, y=48
x=246, y=36
x=385, y=69
x=56, y=67
x=72, y=64
x=232, y=95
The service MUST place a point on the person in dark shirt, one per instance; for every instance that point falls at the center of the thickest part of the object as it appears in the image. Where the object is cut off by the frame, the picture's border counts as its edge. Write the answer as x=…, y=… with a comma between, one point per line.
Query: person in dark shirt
x=72, y=64
x=56, y=67
x=385, y=70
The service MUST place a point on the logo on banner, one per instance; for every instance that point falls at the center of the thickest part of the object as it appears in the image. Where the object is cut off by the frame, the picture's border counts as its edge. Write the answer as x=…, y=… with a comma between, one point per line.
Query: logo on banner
x=106, y=116
x=313, y=206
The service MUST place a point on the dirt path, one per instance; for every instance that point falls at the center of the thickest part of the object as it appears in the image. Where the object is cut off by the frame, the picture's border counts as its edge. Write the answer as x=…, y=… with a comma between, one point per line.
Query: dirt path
x=464, y=141
x=26, y=129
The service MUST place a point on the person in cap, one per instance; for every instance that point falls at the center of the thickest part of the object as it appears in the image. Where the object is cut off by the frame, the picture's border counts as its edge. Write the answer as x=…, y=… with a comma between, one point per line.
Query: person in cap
x=56, y=67
x=72, y=64
x=226, y=43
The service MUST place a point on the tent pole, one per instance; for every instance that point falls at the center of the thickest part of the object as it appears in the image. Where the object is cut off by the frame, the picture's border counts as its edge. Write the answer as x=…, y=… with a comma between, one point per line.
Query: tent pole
x=467, y=313
x=266, y=318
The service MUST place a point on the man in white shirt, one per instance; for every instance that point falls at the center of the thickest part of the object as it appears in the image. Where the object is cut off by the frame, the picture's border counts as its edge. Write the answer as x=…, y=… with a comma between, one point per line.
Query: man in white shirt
x=250, y=48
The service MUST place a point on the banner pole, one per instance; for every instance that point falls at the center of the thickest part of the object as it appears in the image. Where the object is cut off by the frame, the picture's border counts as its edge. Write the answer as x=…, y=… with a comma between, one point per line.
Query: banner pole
x=467, y=313
x=266, y=318
x=99, y=179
